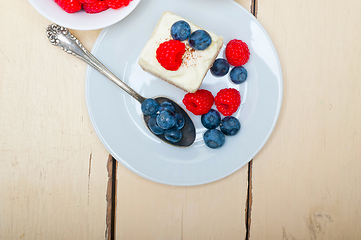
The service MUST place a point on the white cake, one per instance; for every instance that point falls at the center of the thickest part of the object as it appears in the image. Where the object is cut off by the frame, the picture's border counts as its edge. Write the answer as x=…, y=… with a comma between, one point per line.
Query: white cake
x=195, y=63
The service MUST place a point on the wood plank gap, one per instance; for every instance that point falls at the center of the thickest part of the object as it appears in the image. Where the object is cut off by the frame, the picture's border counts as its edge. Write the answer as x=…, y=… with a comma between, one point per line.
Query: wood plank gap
x=254, y=7
x=114, y=197
x=112, y=166
x=249, y=201
x=254, y=10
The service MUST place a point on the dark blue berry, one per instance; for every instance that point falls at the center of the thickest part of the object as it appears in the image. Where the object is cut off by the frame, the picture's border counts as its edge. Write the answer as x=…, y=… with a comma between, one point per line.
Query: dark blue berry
x=149, y=106
x=180, y=121
x=214, y=138
x=166, y=119
x=230, y=126
x=220, y=67
x=180, y=30
x=166, y=106
x=211, y=120
x=200, y=40
x=173, y=135
x=153, y=126
x=238, y=75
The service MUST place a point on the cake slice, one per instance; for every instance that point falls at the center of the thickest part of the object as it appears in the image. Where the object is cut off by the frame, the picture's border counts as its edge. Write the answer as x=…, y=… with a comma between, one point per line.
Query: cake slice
x=195, y=64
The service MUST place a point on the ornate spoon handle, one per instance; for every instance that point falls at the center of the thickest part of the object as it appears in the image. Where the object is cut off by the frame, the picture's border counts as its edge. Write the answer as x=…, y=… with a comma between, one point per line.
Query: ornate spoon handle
x=61, y=37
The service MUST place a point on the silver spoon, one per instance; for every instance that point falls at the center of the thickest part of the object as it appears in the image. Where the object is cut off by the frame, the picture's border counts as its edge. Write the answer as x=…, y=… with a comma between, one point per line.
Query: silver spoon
x=60, y=36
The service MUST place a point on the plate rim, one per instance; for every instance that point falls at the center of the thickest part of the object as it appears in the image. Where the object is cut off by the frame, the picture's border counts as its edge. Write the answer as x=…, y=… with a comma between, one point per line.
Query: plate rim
x=76, y=25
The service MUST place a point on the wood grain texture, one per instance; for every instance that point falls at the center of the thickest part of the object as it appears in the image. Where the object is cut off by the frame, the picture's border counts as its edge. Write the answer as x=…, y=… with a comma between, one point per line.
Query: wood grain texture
x=148, y=210
x=306, y=180
x=53, y=174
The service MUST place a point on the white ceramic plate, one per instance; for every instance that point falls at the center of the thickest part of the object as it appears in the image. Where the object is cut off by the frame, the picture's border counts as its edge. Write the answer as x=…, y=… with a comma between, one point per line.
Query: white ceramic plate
x=81, y=20
x=117, y=119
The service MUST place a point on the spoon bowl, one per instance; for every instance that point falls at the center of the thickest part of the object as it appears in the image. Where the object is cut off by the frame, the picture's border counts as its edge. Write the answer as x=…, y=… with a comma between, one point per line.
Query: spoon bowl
x=188, y=131
x=61, y=37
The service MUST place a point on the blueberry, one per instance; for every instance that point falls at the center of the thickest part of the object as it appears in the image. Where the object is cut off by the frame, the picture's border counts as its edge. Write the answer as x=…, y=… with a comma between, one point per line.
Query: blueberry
x=220, y=67
x=230, y=126
x=153, y=126
x=166, y=119
x=180, y=30
x=213, y=138
x=211, y=120
x=173, y=135
x=200, y=40
x=179, y=120
x=166, y=106
x=149, y=106
x=238, y=75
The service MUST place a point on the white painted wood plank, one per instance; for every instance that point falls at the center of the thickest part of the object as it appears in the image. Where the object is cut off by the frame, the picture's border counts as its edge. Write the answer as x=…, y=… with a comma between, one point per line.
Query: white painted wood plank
x=148, y=210
x=53, y=174
x=306, y=180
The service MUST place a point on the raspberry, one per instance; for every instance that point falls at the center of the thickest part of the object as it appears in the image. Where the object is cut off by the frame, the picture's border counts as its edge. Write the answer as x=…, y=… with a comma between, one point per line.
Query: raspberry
x=227, y=101
x=88, y=1
x=169, y=54
x=96, y=7
x=69, y=6
x=199, y=102
x=116, y=4
x=237, y=52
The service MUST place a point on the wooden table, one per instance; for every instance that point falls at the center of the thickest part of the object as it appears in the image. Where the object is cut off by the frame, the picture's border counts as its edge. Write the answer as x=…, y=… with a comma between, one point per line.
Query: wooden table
x=57, y=181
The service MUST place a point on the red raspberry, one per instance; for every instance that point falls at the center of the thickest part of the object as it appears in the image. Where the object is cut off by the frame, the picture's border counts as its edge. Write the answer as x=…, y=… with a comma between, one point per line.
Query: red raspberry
x=227, y=101
x=69, y=6
x=116, y=4
x=199, y=102
x=169, y=54
x=237, y=52
x=88, y=1
x=96, y=7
